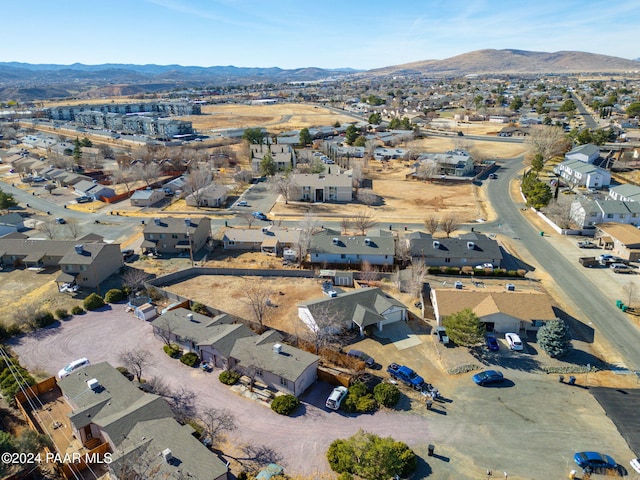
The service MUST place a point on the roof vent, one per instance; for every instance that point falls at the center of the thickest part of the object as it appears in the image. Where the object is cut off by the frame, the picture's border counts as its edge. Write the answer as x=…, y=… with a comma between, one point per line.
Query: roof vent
x=156, y=221
x=167, y=455
x=436, y=244
x=190, y=317
x=93, y=384
x=335, y=240
x=277, y=348
x=367, y=241
x=471, y=245
x=79, y=248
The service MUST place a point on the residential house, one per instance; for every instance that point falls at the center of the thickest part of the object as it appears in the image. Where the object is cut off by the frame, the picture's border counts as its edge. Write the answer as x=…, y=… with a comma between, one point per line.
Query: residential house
x=514, y=132
x=470, y=249
x=321, y=187
x=210, y=196
x=233, y=345
x=175, y=235
x=138, y=427
x=11, y=222
x=587, y=153
x=625, y=193
x=587, y=212
x=90, y=264
x=376, y=248
x=357, y=309
x=93, y=189
x=623, y=240
x=579, y=173
x=499, y=311
x=146, y=197
x=269, y=239
x=86, y=261
x=283, y=155
x=457, y=163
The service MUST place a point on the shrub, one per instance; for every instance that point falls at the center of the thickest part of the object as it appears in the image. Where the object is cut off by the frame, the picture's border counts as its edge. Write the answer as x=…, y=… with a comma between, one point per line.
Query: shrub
x=433, y=270
x=199, y=308
x=114, y=295
x=93, y=302
x=124, y=371
x=229, y=377
x=14, y=329
x=359, y=399
x=285, y=404
x=452, y=270
x=554, y=337
x=172, y=350
x=512, y=273
x=61, y=313
x=77, y=310
x=4, y=333
x=189, y=359
x=386, y=394
x=366, y=404
x=42, y=319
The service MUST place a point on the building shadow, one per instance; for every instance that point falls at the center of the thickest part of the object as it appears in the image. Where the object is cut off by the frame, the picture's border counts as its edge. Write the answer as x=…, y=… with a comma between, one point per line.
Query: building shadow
x=581, y=331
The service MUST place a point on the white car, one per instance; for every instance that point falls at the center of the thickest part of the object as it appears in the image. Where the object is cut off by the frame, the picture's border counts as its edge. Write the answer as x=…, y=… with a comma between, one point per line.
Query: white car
x=484, y=266
x=635, y=464
x=242, y=203
x=72, y=367
x=336, y=397
x=513, y=340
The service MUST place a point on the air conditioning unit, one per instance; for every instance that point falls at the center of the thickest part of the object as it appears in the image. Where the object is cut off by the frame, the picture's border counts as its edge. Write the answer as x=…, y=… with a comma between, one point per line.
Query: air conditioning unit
x=277, y=348
x=436, y=244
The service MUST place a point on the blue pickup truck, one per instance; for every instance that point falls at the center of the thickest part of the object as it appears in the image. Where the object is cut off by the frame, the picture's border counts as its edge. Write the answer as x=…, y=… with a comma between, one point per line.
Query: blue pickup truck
x=405, y=375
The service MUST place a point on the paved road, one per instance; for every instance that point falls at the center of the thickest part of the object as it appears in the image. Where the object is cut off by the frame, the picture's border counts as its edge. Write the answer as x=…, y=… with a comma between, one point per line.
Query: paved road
x=589, y=121
x=584, y=296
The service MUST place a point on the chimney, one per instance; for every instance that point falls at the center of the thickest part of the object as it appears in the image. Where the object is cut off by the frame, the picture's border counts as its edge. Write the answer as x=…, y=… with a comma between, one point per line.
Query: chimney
x=79, y=248
x=436, y=244
x=277, y=348
x=471, y=245
x=167, y=455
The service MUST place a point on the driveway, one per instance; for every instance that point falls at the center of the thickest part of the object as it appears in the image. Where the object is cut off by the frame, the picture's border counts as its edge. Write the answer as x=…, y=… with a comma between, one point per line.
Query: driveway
x=505, y=429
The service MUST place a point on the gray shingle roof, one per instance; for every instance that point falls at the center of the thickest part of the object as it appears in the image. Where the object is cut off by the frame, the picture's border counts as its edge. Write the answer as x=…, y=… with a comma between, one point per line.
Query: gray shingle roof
x=421, y=244
x=381, y=243
x=174, y=225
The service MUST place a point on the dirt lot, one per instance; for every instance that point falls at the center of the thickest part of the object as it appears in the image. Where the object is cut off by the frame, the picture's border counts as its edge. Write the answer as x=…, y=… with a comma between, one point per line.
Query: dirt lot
x=278, y=118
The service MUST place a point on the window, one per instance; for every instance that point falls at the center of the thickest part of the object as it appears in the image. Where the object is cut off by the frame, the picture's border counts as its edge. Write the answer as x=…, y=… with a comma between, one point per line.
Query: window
x=162, y=235
x=174, y=235
x=609, y=215
x=447, y=260
x=231, y=242
x=283, y=382
x=259, y=372
x=537, y=323
x=83, y=268
x=343, y=256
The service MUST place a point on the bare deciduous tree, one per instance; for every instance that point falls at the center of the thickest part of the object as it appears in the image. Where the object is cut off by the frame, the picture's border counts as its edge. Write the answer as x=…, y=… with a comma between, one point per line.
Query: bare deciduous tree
x=548, y=141
x=198, y=178
x=165, y=331
x=328, y=323
x=308, y=227
x=418, y=272
x=630, y=291
x=367, y=197
x=74, y=228
x=135, y=359
x=427, y=169
x=368, y=272
x=345, y=225
x=243, y=176
x=363, y=221
x=134, y=279
x=431, y=224
x=217, y=423
x=49, y=228
x=357, y=175
x=258, y=296
x=148, y=172
x=126, y=176
x=248, y=218
x=449, y=224
x=282, y=184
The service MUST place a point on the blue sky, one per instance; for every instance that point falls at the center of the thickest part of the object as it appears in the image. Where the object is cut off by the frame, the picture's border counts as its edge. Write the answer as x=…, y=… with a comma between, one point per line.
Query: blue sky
x=302, y=33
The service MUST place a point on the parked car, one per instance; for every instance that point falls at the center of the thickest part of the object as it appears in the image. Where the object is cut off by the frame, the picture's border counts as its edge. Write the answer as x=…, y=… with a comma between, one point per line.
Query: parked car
x=484, y=266
x=127, y=254
x=336, y=397
x=487, y=377
x=61, y=220
x=441, y=332
x=492, y=343
x=84, y=199
x=620, y=268
x=594, y=460
x=259, y=216
x=635, y=464
x=369, y=361
x=513, y=340
x=587, y=244
x=73, y=366
x=242, y=203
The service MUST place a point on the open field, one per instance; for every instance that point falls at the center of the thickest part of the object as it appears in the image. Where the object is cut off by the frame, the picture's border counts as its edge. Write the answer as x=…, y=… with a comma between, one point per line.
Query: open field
x=278, y=117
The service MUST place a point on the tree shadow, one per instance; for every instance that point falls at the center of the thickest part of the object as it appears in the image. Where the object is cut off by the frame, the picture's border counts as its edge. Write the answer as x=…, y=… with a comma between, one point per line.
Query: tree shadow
x=508, y=359
x=423, y=469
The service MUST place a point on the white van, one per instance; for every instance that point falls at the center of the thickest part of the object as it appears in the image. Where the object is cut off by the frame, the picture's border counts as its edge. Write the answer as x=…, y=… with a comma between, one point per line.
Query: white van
x=73, y=366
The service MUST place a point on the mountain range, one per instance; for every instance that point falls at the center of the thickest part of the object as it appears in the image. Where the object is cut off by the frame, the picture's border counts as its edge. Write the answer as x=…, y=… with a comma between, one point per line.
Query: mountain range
x=24, y=81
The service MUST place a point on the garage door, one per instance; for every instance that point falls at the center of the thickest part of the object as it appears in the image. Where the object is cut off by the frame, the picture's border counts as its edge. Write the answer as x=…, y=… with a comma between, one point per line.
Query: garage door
x=391, y=318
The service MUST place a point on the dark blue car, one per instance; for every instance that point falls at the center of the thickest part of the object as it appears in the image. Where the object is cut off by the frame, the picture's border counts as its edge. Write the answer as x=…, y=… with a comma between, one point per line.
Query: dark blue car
x=487, y=377
x=492, y=343
x=594, y=460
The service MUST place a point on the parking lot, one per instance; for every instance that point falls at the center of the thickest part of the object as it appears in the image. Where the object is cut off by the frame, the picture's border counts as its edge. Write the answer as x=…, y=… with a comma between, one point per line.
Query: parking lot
x=530, y=427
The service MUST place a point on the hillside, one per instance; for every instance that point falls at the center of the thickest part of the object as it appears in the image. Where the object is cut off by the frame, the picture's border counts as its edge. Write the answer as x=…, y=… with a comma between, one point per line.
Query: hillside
x=516, y=61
